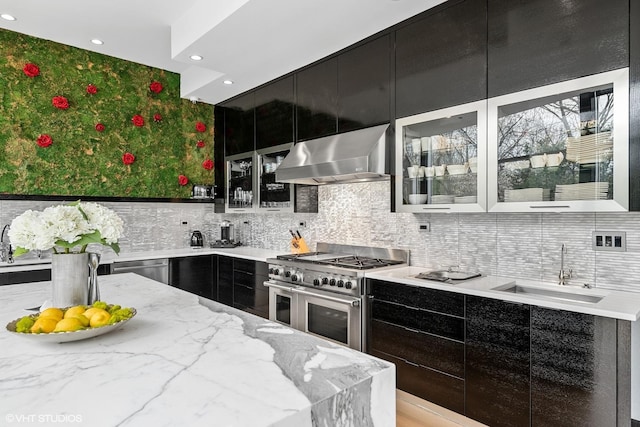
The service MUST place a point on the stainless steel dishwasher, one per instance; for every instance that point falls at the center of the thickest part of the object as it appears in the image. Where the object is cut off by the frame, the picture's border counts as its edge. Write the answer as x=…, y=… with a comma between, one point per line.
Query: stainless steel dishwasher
x=156, y=269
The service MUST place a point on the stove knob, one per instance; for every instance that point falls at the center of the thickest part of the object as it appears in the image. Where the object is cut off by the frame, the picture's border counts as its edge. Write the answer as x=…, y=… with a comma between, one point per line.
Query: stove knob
x=325, y=281
x=287, y=274
x=341, y=283
x=272, y=270
x=348, y=285
x=294, y=278
x=276, y=271
x=316, y=282
x=332, y=282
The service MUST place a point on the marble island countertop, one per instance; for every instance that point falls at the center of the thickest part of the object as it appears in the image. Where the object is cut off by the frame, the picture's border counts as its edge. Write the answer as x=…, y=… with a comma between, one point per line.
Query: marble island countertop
x=615, y=304
x=31, y=262
x=187, y=361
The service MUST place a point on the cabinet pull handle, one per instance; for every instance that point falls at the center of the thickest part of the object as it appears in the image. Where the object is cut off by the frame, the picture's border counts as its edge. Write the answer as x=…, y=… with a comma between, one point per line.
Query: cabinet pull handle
x=411, y=363
x=427, y=208
x=551, y=207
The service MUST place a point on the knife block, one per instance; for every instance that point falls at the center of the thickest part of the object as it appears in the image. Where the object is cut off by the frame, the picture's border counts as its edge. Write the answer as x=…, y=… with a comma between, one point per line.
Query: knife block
x=298, y=246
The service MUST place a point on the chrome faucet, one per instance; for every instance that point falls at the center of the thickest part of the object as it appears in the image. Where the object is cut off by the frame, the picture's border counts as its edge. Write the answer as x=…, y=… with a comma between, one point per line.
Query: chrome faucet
x=6, y=253
x=563, y=276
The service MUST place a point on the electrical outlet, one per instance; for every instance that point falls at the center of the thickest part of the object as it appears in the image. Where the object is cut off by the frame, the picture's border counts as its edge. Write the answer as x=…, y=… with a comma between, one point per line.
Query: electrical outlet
x=183, y=222
x=424, y=227
x=302, y=224
x=609, y=241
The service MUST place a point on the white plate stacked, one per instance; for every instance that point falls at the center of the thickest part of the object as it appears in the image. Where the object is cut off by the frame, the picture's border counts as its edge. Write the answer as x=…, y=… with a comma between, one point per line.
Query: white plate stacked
x=466, y=199
x=590, y=148
x=582, y=191
x=442, y=199
x=527, y=195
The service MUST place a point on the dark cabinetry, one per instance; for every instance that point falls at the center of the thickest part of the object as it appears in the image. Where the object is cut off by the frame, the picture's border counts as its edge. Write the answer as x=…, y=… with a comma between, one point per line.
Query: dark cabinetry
x=421, y=331
x=240, y=285
x=441, y=59
x=317, y=100
x=195, y=274
x=239, y=124
x=16, y=277
x=497, y=362
x=363, y=85
x=274, y=113
x=538, y=42
x=225, y=280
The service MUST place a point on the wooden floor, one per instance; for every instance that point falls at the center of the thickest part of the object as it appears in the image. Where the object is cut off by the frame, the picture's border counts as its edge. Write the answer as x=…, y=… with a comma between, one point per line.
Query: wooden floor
x=411, y=411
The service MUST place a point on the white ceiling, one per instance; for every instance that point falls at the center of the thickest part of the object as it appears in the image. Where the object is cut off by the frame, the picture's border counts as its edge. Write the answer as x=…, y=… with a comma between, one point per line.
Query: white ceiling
x=247, y=41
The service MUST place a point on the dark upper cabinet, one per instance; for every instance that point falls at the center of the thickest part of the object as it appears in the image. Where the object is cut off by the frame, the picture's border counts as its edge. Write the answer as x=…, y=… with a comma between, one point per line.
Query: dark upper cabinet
x=441, y=60
x=363, y=85
x=538, y=42
x=317, y=100
x=274, y=113
x=218, y=152
x=239, y=124
x=497, y=362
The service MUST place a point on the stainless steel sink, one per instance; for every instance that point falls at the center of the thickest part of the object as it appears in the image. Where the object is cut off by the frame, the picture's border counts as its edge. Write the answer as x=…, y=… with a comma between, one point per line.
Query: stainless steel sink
x=550, y=294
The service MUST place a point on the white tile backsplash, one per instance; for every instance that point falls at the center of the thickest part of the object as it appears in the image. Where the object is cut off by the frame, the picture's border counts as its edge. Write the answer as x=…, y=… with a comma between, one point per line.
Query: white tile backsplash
x=524, y=245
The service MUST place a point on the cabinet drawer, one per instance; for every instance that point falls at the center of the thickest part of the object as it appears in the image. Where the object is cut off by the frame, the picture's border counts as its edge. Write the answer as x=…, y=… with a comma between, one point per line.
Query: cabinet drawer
x=253, y=300
x=244, y=265
x=425, y=321
x=436, y=387
x=423, y=349
x=423, y=298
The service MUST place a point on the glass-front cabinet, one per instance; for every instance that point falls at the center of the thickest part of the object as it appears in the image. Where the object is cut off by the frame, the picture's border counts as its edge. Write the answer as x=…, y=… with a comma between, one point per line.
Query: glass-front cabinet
x=240, y=195
x=441, y=160
x=273, y=196
x=561, y=147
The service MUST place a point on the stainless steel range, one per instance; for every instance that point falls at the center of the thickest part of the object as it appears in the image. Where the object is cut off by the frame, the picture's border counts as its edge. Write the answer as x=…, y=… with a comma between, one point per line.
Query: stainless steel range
x=321, y=292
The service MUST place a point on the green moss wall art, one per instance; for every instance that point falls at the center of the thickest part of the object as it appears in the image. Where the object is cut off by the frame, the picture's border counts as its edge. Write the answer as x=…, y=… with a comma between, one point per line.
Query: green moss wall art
x=78, y=123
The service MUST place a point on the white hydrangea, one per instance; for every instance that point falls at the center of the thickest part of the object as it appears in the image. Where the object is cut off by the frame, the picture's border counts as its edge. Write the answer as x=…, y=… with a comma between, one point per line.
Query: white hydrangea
x=35, y=230
x=106, y=221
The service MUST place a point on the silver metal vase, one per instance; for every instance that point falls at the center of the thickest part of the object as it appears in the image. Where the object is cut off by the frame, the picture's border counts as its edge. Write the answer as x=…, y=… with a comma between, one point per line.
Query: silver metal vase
x=69, y=279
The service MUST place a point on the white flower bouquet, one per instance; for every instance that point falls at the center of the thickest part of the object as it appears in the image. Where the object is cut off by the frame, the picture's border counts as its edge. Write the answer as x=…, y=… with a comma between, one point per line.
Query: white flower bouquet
x=69, y=227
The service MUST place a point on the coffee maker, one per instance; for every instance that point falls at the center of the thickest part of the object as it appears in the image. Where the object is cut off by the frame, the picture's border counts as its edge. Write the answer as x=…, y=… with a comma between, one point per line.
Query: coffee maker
x=197, y=240
x=227, y=236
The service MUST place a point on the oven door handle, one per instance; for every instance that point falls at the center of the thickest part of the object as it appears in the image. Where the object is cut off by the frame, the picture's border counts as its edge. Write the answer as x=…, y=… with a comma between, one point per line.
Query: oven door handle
x=353, y=302
x=281, y=287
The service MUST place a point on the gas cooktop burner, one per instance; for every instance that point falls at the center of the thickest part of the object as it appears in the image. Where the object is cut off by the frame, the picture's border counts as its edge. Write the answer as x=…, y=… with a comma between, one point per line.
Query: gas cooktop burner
x=358, y=262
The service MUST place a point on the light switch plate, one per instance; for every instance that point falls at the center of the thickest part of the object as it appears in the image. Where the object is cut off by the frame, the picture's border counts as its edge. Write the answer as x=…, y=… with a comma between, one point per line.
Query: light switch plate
x=425, y=226
x=615, y=241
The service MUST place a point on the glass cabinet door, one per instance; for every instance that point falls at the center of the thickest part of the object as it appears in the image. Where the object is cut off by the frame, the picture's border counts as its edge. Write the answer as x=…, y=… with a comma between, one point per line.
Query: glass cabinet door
x=441, y=160
x=273, y=196
x=561, y=147
x=240, y=183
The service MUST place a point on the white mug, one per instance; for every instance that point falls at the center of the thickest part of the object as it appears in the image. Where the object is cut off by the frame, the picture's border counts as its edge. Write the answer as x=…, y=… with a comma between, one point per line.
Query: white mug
x=440, y=170
x=413, y=171
x=428, y=171
x=538, y=161
x=555, y=159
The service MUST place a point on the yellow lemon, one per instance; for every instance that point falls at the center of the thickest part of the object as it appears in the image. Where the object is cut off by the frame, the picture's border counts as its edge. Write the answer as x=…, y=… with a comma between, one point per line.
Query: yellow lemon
x=44, y=325
x=68, y=324
x=82, y=319
x=91, y=311
x=99, y=318
x=74, y=311
x=52, y=312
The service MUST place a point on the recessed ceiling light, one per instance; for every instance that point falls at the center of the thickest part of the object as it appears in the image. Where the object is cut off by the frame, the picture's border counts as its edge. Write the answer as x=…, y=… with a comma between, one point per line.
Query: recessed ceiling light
x=196, y=57
x=97, y=41
x=8, y=17
x=228, y=82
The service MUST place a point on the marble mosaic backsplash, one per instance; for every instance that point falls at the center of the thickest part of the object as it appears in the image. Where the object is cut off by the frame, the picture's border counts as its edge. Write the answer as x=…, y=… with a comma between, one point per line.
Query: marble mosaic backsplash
x=522, y=245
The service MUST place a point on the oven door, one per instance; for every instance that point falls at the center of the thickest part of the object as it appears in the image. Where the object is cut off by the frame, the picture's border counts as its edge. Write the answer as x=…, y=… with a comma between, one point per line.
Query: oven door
x=283, y=304
x=333, y=317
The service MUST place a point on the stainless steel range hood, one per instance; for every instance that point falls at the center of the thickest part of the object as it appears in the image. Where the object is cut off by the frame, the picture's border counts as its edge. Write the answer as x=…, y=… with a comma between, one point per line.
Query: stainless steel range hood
x=347, y=157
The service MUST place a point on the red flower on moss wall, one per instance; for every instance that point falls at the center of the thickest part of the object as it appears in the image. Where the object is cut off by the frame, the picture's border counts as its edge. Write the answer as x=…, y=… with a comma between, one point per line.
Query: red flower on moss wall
x=138, y=120
x=44, y=140
x=60, y=102
x=92, y=89
x=155, y=87
x=208, y=164
x=128, y=158
x=100, y=127
x=200, y=144
x=183, y=180
x=31, y=70
x=201, y=127
x=157, y=118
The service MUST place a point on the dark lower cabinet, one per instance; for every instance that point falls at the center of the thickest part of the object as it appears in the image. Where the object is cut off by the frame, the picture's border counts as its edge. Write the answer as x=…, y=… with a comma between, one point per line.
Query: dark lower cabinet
x=16, y=277
x=225, y=280
x=249, y=292
x=497, y=362
x=195, y=274
x=574, y=369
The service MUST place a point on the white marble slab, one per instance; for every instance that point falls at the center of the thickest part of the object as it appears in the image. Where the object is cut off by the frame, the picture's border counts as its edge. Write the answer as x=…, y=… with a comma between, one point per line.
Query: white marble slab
x=615, y=304
x=187, y=361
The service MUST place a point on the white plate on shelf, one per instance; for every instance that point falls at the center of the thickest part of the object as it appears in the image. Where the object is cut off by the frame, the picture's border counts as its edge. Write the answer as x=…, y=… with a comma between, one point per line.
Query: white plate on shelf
x=61, y=337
